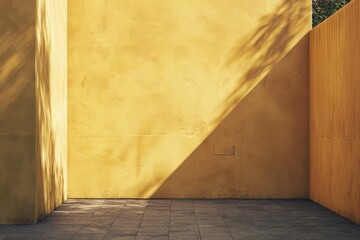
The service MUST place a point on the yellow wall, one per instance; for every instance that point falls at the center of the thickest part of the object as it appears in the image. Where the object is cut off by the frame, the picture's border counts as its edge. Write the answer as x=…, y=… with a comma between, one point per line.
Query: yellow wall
x=269, y=129
x=149, y=81
x=335, y=113
x=51, y=105
x=17, y=111
x=32, y=111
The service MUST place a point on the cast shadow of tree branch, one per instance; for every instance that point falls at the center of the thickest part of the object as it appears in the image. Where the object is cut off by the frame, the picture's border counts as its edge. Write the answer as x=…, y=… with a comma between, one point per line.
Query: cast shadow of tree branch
x=257, y=53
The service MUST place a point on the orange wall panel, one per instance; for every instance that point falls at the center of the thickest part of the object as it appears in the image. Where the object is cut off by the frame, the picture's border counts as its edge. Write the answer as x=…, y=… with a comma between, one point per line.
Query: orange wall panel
x=335, y=112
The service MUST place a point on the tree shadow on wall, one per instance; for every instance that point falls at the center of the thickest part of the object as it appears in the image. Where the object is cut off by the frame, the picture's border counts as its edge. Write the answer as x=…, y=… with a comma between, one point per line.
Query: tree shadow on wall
x=269, y=132
x=49, y=155
x=254, y=58
x=256, y=54
x=16, y=58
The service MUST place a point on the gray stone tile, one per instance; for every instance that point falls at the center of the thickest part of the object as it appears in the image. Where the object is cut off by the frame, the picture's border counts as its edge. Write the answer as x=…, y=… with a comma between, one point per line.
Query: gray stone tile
x=66, y=228
x=218, y=222
x=19, y=238
x=9, y=228
x=252, y=237
x=274, y=231
x=74, y=220
x=114, y=237
x=150, y=231
x=97, y=223
x=26, y=234
x=237, y=222
x=93, y=230
x=216, y=237
x=122, y=231
x=156, y=237
x=246, y=229
x=182, y=218
x=277, y=237
x=123, y=223
x=187, y=219
x=189, y=227
x=189, y=237
x=313, y=234
x=57, y=236
x=155, y=223
x=211, y=230
x=87, y=236
x=184, y=232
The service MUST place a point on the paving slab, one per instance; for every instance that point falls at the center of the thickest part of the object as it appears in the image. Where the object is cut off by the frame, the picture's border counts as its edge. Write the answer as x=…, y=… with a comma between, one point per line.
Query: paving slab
x=187, y=219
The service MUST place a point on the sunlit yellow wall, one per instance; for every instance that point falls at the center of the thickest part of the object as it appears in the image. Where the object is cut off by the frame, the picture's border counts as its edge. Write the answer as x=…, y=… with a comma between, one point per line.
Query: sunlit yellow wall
x=149, y=81
x=17, y=111
x=51, y=104
x=335, y=113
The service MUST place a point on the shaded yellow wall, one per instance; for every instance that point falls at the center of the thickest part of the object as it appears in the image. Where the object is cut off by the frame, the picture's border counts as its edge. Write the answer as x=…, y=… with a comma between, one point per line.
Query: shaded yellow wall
x=17, y=111
x=51, y=105
x=149, y=81
x=335, y=113
x=32, y=108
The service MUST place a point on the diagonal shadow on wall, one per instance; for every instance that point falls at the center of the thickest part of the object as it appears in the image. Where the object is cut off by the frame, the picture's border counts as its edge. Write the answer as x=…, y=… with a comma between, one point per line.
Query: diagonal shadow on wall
x=265, y=119
x=134, y=160
x=269, y=130
x=263, y=48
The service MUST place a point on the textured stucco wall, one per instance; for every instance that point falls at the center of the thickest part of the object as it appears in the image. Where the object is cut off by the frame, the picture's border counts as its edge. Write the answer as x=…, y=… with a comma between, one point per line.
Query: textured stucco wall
x=33, y=105
x=335, y=113
x=269, y=129
x=51, y=104
x=149, y=81
x=17, y=111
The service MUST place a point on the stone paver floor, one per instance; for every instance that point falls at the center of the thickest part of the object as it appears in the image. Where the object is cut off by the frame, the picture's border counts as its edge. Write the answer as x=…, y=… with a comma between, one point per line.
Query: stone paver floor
x=187, y=220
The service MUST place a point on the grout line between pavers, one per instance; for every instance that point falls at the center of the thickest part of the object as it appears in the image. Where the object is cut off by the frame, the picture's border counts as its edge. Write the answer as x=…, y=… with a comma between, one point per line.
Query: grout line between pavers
x=217, y=209
x=197, y=224
x=72, y=236
x=171, y=206
x=141, y=221
x=115, y=219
